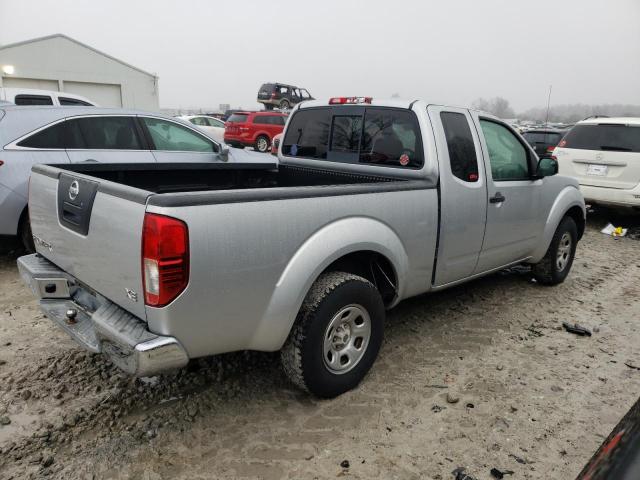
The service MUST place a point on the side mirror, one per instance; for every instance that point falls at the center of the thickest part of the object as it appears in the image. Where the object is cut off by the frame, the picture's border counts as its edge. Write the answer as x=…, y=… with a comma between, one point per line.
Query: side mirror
x=546, y=168
x=224, y=153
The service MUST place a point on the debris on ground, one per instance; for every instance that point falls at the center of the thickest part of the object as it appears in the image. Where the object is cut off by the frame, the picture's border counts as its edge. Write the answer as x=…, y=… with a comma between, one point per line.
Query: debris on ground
x=631, y=364
x=452, y=397
x=345, y=464
x=460, y=474
x=499, y=474
x=577, y=329
x=614, y=231
x=437, y=408
x=518, y=459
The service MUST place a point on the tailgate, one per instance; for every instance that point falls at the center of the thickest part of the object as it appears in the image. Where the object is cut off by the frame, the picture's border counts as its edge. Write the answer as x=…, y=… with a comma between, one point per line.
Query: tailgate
x=92, y=229
x=600, y=168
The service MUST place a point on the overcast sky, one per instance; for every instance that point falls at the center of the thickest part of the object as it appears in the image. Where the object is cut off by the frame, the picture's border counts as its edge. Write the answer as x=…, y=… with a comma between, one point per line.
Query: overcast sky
x=454, y=51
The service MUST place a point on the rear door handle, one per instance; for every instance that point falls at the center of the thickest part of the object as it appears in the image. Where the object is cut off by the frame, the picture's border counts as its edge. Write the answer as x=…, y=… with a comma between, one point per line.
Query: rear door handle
x=497, y=198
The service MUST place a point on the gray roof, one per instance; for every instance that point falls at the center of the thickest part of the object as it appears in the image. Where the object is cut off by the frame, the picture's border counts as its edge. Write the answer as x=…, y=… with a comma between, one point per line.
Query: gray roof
x=61, y=35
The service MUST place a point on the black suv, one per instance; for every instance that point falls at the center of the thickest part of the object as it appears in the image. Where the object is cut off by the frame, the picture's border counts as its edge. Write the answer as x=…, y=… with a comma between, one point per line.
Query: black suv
x=279, y=95
x=544, y=140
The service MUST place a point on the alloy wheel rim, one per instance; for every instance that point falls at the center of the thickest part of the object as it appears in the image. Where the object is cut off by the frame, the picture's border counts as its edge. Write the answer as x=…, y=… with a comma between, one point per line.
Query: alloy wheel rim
x=564, y=252
x=346, y=339
x=262, y=145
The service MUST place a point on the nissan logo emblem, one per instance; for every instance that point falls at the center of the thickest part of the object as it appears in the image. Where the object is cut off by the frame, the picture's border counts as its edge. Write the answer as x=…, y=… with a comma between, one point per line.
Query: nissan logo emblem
x=74, y=190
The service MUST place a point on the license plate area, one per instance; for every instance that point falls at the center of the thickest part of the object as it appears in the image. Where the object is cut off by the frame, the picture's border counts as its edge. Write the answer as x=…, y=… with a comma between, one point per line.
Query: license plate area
x=597, y=170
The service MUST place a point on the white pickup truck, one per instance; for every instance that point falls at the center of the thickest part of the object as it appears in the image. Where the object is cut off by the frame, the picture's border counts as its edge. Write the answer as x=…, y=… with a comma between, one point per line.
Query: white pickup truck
x=372, y=202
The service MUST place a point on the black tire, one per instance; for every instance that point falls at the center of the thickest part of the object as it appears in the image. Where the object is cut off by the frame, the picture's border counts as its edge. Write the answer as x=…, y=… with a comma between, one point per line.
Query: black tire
x=268, y=106
x=303, y=355
x=285, y=105
x=548, y=271
x=262, y=144
x=24, y=232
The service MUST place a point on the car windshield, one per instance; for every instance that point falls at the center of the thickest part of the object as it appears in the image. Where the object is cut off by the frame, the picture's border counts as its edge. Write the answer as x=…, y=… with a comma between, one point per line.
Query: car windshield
x=238, y=118
x=551, y=138
x=603, y=136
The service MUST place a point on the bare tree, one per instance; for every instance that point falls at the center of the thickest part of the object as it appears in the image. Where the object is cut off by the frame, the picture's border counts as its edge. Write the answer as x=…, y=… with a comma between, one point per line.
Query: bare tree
x=498, y=106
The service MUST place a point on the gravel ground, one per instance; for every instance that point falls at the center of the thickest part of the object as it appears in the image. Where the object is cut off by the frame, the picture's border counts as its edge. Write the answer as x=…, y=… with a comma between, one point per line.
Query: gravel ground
x=479, y=376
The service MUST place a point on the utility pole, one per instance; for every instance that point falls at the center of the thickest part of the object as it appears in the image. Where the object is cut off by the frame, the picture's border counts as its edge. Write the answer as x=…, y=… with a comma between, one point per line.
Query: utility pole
x=546, y=122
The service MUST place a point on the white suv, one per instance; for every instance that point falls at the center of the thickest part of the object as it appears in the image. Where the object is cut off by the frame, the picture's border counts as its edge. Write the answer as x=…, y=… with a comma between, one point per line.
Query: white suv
x=604, y=155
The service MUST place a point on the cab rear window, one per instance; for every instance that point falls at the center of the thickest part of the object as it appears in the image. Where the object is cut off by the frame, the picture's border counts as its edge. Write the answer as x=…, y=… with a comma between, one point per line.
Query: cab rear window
x=375, y=135
x=603, y=136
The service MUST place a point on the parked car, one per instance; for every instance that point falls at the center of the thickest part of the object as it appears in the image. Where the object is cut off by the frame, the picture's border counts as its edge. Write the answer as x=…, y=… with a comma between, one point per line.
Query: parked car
x=28, y=96
x=52, y=135
x=373, y=202
x=275, y=144
x=604, y=155
x=257, y=129
x=544, y=140
x=279, y=95
x=214, y=127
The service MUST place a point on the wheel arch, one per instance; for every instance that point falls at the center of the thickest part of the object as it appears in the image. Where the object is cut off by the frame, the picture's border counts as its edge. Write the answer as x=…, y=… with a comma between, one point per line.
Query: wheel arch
x=569, y=202
x=354, y=245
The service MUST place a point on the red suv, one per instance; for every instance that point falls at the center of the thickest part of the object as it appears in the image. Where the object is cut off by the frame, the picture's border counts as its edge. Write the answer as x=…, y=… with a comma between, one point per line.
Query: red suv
x=257, y=129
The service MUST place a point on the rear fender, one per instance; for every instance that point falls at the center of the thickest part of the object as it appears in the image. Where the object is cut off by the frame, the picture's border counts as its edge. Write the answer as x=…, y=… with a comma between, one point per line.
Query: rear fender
x=568, y=198
x=325, y=246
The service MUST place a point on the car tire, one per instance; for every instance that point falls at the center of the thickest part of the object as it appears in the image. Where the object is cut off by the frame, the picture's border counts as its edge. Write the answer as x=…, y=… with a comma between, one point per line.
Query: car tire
x=285, y=105
x=24, y=232
x=337, y=335
x=555, y=265
x=262, y=144
x=268, y=106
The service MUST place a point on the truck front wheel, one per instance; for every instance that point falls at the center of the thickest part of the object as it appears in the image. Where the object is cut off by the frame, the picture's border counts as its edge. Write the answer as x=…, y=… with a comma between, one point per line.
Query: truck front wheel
x=555, y=265
x=337, y=335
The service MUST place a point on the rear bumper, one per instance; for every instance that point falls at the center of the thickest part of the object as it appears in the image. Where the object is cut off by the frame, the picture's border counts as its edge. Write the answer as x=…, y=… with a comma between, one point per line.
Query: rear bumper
x=99, y=325
x=611, y=196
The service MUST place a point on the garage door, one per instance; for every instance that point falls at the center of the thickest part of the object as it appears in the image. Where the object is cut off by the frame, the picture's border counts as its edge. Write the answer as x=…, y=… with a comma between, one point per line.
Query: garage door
x=12, y=82
x=104, y=94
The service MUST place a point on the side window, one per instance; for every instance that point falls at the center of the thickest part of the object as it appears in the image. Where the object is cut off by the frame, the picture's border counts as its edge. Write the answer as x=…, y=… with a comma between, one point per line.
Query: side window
x=508, y=157
x=278, y=120
x=33, y=100
x=199, y=121
x=308, y=134
x=462, y=152
x=391, y=137
x=215, y=123
x=104, y=133
x=49, y=138
x=261, y=120
x=345, y=133
x=73, y=102
x=170, y=136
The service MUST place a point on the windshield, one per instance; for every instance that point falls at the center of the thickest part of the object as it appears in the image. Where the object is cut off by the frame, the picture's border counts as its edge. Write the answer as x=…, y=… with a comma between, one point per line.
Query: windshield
x=551, y=138
x=603, y=136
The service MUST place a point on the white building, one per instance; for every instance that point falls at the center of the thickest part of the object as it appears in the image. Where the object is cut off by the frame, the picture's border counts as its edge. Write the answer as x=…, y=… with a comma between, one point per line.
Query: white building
x=60, y=63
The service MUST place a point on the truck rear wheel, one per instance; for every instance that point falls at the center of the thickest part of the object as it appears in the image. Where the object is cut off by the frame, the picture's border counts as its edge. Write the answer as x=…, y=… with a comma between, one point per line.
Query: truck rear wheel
x=337, y=335
x=555, y=265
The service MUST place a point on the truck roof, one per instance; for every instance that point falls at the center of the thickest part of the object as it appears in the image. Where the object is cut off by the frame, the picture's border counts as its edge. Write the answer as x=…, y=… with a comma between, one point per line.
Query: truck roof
x=377, y=102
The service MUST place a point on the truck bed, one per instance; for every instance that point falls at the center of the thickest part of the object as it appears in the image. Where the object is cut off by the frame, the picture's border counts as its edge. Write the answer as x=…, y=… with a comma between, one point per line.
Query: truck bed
x=175, y=178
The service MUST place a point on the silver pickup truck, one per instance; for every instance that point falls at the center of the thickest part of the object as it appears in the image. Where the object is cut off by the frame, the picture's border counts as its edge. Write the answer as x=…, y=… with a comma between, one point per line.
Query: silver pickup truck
x=372, y=202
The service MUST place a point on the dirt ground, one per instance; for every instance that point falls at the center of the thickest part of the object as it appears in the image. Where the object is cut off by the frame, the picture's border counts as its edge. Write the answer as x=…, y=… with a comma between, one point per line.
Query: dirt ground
x=527, y=396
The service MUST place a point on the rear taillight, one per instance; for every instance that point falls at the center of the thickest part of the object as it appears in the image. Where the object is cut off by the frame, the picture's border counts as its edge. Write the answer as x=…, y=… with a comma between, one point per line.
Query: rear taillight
x=550, y=149
x=165, y=259
x=1, y=163
x=273, y=95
